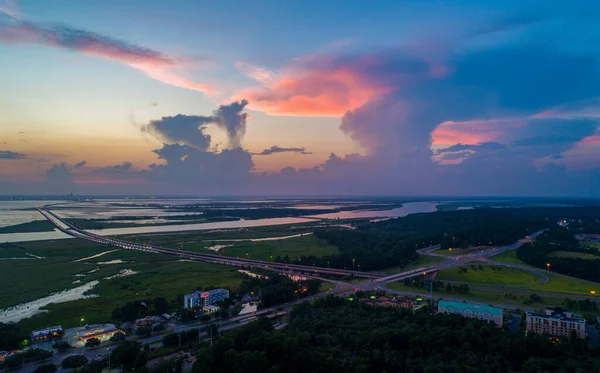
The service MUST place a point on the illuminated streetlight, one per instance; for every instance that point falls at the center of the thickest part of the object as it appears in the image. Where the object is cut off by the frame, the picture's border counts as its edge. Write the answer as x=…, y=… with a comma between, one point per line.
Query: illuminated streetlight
x=548, y=266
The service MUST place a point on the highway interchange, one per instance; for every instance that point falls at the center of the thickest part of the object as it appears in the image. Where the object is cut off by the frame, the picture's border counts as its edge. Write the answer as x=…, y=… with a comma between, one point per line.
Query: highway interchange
x=372, y=280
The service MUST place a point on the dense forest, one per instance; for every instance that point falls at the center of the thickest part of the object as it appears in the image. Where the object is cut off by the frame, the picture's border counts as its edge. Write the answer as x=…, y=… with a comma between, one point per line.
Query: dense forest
x=335, y=335
x=393, y=242
x=560, y=239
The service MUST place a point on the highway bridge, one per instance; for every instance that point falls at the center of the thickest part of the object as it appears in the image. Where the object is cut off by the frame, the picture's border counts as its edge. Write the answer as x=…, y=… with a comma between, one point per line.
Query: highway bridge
x=74, y=231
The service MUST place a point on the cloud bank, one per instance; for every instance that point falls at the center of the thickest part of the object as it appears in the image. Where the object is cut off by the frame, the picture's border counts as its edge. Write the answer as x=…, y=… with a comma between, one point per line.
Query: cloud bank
x=7, y=154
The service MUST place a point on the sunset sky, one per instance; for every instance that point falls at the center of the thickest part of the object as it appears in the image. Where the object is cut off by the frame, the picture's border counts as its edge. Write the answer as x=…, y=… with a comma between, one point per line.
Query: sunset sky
x=300, y=98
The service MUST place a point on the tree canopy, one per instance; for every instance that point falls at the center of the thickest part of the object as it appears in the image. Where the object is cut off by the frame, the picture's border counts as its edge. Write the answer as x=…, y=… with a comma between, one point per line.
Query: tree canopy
x=335, y=335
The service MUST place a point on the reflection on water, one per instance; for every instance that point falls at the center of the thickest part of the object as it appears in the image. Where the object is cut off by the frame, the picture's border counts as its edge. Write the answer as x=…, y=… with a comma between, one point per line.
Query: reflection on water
x=201, y=226
x=406, y=209
x=19, y=212
x=33, y=236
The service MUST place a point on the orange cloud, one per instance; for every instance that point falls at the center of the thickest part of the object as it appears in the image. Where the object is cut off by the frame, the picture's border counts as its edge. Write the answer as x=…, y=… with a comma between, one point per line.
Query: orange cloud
x=312, y=92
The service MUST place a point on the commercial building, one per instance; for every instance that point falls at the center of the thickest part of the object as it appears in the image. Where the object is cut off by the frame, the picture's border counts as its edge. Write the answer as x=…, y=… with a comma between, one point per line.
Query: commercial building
x=556, y=322
x=205, y=298
x=48, y=333
x=97, y=331
x=472, y=310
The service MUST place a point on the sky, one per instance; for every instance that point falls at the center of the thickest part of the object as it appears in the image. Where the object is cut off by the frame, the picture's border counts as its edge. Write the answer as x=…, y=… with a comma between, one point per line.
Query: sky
x=411, y=98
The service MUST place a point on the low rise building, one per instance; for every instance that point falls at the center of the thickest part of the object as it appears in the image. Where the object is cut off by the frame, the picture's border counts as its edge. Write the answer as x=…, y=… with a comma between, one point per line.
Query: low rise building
x=201, y=299
x=556, y=322
x=48, y=333
x=472, y=310
x=97, y=331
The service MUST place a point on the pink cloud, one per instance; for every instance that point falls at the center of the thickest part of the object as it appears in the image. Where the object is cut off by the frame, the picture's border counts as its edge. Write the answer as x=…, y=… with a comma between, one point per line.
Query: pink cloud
x=591, y=140
x=468, y=132
x=315, y=93
x=153, y=63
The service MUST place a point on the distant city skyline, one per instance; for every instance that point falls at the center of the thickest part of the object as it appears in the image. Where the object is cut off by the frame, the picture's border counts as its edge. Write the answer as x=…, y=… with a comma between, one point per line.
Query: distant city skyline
x=300, y=98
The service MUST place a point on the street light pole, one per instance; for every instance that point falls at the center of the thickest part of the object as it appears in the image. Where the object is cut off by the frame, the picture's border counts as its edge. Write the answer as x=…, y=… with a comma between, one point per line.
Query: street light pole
x=548, y=266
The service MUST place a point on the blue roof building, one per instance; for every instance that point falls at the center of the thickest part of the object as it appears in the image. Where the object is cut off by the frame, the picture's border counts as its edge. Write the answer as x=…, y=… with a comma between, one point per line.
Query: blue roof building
x=201, y=299
x=472, y=310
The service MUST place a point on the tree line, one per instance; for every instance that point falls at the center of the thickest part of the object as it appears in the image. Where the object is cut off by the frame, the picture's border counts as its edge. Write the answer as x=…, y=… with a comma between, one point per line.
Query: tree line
x=393, y=242
x=335, y=335
x=538, y=255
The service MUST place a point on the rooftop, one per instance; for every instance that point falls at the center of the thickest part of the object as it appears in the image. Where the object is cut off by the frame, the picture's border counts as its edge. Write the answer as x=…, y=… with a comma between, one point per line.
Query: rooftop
x=462, y=306
x=557, y=316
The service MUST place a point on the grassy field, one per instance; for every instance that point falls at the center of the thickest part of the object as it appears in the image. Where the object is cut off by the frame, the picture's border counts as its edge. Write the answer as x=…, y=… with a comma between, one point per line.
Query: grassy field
x=508, y=257
x=293, y=247
x=556, y=283
x=483, y=296
x=264, y=250
x=573, y=255
x=567, y=285
x=157, y=275
x=489, y=275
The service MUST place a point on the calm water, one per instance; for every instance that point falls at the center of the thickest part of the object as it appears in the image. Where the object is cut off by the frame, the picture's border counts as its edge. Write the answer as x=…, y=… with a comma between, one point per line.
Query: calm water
x=18, y=212
x=406, y=209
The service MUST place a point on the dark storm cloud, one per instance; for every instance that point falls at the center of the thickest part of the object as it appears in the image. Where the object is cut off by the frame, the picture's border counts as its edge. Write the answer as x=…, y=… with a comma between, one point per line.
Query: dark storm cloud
x=184, y=129
x=232, y=119
x=277, y=149
x=196, y=171
x=7, y=154
x=189, y=129
x=118, y=169
x=79, y=165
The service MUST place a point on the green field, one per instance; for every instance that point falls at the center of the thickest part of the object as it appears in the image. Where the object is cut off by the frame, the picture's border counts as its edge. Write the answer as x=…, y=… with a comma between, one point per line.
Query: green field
x=509, y=257
x=573, y=255
x=293, y=247
x=484, y=296
x=157, y=275
x=489, y=275
x=557, y=282
x=567, y=285
x=154, y=279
